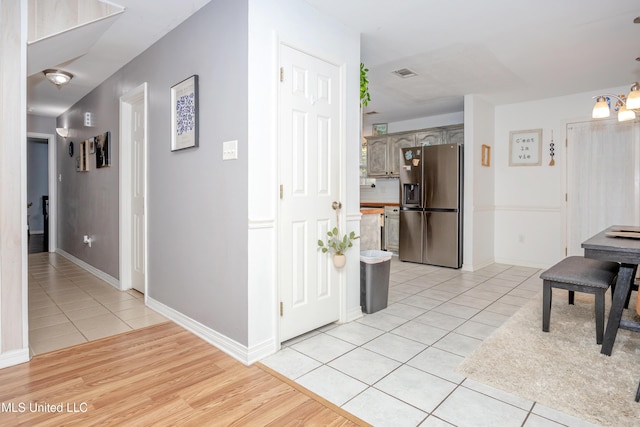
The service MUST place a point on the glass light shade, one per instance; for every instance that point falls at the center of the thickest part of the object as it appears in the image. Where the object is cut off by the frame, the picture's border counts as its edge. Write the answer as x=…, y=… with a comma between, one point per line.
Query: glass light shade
x=601, y=109
x=624, y=114
x=633, y=99
x=63, y=132
x=58, y=77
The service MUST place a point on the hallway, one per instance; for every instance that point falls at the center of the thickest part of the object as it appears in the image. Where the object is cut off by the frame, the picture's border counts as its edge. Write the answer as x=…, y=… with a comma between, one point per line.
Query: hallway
x=69, y=306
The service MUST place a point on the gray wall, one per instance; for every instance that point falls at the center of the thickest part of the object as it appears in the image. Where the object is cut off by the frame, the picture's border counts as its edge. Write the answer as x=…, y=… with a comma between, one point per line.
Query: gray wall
x=197, y=204
x=37, y=181
x=88, y=201
x=41, y=124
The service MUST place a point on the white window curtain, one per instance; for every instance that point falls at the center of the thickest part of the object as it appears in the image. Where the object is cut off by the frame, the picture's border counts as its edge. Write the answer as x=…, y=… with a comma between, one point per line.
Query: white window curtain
x=603, y=178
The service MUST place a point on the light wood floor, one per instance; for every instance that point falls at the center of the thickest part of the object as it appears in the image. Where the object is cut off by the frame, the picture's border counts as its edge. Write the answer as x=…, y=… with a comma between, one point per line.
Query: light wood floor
x=160, y=375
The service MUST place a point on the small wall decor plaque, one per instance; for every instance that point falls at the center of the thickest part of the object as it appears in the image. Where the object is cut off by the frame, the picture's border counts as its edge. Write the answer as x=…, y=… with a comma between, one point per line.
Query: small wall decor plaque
x=486, y=155
x=380, y=129
x=184, y=114
x=525, y=147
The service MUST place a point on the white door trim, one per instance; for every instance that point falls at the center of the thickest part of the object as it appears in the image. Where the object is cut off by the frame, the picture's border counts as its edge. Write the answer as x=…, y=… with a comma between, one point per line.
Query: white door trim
x=53, y=188
x=126, y=254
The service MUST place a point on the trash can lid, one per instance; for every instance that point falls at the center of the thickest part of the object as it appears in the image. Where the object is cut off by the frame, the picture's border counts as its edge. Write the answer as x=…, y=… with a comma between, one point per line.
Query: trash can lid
x=374, y=256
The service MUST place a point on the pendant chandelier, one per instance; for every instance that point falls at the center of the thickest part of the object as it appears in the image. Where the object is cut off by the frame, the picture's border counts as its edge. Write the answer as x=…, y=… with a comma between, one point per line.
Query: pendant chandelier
x=626, y=108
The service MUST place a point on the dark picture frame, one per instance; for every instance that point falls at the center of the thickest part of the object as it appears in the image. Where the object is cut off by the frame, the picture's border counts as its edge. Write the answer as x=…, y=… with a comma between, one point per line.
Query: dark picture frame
x=184, y=114
x=103, y=150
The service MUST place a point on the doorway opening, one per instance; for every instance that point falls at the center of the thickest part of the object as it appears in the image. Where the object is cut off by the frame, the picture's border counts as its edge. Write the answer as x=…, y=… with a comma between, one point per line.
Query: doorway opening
x=41, y=192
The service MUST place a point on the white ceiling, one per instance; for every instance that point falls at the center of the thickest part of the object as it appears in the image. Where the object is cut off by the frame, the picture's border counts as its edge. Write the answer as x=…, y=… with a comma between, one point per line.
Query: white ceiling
x=505, y=50
x=143, y=23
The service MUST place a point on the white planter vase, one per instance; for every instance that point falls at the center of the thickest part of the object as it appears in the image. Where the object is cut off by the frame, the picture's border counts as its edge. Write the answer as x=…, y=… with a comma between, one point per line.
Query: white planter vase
x=339, y=260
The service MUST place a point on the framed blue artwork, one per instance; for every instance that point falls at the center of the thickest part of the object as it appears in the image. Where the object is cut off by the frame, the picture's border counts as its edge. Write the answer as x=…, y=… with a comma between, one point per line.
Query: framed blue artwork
x=184, y=114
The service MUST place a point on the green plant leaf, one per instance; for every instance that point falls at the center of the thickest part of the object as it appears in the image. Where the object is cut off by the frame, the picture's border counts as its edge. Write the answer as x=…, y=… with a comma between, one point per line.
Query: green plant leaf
x=365, y=97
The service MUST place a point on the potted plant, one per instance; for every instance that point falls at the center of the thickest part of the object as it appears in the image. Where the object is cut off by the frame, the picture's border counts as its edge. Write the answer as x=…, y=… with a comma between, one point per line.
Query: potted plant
x=337, y=245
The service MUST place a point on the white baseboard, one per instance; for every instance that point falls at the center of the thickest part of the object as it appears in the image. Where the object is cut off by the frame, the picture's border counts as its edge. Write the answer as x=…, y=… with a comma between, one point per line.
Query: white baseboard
x=234, y=349
x=521, y=263
x=354, y=314
x=91, y=269
x=14, y=357
x=476, y=267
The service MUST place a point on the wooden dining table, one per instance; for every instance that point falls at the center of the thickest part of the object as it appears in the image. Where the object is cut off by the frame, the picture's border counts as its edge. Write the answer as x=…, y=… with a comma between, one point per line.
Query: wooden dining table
x=615, y=244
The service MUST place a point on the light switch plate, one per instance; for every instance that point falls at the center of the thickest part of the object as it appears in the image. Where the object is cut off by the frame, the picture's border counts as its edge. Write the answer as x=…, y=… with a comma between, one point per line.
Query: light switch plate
x=230, y=150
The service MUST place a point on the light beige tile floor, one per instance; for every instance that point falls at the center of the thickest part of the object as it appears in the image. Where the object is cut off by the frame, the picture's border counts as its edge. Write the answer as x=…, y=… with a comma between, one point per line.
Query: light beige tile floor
x=69, y=306
x=397, y=367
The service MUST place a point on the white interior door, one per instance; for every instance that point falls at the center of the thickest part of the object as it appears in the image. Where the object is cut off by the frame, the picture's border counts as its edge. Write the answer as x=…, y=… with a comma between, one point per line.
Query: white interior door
x=133, y=141
x=603, y=178
x=310, y=177
x=138, y=173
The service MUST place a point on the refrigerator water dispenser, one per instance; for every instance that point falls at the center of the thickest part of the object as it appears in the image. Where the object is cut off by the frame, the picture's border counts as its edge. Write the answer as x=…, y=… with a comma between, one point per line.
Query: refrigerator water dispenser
x=411, y=195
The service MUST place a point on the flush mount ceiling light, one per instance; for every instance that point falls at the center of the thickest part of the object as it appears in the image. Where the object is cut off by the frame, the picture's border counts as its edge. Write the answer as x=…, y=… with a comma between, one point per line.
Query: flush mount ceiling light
x=626, y=108
x=58, y=77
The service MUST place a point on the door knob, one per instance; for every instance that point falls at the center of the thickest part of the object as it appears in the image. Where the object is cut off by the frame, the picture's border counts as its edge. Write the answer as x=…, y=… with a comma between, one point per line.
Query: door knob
x=336, y=206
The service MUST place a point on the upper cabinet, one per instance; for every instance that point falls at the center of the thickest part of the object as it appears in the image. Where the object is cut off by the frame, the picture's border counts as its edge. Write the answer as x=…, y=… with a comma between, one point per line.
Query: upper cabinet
x=384, y=151
x=377, y=156
x=430, y=137
x=396, y=144
x=454, y=135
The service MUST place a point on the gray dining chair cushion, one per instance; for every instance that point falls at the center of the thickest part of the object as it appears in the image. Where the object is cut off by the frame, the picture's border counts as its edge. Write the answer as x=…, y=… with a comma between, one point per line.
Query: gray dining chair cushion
x=578, y=270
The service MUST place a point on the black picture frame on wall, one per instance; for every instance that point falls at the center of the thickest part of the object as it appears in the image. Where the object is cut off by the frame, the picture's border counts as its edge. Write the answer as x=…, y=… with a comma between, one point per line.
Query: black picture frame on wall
x=184, y=114
x=103, y=150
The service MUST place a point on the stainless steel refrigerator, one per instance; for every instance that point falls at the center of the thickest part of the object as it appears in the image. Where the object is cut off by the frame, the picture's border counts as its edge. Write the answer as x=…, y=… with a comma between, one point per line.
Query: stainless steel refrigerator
x=431, y=205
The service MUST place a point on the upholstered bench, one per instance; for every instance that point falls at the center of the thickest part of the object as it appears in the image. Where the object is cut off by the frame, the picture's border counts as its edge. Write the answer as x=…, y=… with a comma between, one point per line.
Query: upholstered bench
x=579, y=274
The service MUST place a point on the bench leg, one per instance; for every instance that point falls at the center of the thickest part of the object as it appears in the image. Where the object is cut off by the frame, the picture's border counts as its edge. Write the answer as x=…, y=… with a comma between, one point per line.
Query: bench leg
x=571, y=297
x=599, y=316
x=546, y=305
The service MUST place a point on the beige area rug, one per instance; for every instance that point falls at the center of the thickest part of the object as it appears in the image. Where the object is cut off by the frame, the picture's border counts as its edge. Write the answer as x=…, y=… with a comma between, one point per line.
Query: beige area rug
x=563, y=368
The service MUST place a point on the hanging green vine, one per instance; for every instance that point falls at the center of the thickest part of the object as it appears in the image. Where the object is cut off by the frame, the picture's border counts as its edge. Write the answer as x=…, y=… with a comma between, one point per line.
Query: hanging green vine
x=364, y=86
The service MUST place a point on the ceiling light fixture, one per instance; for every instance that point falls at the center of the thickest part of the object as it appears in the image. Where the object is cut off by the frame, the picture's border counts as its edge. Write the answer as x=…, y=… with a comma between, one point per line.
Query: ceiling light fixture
x=626, y=107
x=58, y=77
x=63, y=132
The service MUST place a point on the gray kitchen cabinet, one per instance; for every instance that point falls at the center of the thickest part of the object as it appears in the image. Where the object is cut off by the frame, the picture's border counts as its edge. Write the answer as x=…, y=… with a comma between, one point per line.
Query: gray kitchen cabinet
x=383, y=154
x=384, y=151
x=396, y=144
x=429, y=137
x=454, y=135
x=392, y=228
x=377, y=157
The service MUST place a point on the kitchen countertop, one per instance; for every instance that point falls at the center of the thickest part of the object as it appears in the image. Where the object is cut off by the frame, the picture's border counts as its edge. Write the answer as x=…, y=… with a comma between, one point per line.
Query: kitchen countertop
x=372, y=211
x=377, y=205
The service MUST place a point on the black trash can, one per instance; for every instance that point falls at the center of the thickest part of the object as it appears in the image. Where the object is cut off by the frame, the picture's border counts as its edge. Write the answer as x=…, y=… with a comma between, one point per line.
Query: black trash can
x=374, y=280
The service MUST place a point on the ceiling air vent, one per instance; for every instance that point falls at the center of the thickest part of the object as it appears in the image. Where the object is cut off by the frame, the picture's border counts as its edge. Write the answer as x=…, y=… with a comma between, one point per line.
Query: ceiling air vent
x=404, y=73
